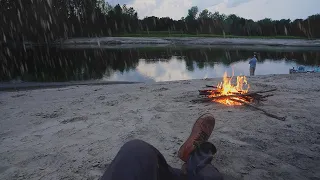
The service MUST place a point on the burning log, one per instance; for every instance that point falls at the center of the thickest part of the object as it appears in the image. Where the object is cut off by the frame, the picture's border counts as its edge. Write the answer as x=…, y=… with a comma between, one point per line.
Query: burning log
x=246, y=94
x=211, y=86
x=208, y=92
x=253, y=95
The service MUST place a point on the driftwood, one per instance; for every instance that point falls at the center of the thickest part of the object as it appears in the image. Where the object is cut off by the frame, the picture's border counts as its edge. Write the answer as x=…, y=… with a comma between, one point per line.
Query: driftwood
x=262, y=110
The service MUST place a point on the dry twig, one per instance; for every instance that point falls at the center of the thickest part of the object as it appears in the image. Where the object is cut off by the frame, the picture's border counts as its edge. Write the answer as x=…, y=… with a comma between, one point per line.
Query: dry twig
x=264, y=111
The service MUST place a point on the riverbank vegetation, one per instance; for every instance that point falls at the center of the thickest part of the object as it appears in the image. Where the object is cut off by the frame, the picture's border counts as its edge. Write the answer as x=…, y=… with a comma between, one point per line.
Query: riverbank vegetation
x=47, y=21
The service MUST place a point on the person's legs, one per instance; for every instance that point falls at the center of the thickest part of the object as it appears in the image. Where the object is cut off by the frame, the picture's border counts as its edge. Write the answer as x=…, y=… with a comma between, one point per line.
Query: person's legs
x=251, y=71
x=198, y=153
x=199, y=165
x=138, y=160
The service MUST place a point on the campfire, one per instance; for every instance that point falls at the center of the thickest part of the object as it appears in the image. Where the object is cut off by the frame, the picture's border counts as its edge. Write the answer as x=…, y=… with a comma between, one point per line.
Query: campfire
x=226, y=88
x=235, y=92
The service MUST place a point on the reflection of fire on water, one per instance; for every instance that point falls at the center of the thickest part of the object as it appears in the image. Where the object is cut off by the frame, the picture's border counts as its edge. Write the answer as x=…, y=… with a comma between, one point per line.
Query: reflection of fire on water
x=226, y=88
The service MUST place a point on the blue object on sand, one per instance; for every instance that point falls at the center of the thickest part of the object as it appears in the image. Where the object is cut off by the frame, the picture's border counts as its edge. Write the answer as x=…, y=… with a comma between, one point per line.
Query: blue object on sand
x=301, y=69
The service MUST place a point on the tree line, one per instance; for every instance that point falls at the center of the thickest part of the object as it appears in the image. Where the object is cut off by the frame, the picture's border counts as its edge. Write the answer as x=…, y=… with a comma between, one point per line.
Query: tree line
x=50, y=20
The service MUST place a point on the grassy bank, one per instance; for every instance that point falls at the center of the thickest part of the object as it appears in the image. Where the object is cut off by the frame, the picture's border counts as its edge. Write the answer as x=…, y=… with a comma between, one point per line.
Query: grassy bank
x=179, y=34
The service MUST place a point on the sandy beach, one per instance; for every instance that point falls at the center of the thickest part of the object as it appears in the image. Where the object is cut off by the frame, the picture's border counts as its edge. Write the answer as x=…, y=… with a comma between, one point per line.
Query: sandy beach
x=156, y=42
x=111, y=41
x=75, y=132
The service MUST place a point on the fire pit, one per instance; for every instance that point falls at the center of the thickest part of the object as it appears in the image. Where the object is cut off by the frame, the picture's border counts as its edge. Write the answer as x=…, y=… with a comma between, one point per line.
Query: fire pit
x=235, y=94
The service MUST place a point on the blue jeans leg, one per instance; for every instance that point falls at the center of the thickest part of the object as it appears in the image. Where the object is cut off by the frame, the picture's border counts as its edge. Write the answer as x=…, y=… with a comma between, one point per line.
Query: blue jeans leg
x=138, y=160
x=199, y=165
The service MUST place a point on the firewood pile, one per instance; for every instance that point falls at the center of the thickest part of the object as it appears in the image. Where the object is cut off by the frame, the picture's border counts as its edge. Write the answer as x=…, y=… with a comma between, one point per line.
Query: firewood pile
x=214, y=94
x=249, y=97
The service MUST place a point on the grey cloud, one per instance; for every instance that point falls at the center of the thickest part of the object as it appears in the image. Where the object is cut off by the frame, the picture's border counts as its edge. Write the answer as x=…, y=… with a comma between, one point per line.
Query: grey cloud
x=121, y=2
x=203, y=4
x=234, y=3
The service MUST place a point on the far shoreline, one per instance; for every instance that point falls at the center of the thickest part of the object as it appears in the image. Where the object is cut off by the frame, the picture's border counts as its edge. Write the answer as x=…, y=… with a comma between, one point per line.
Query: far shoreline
x=146, y=40
x=111, y=42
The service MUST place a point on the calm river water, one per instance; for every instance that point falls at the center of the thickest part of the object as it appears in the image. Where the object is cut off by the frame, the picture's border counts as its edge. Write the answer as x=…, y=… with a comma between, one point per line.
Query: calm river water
x=145, y=64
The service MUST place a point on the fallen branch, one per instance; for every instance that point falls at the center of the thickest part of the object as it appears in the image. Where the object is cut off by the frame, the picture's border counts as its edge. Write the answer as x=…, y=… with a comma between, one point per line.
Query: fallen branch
x=265, y=96
x=265, y=112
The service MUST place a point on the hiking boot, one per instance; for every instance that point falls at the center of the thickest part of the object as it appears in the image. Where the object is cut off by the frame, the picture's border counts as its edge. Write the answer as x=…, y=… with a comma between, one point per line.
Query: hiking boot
x=200, y=133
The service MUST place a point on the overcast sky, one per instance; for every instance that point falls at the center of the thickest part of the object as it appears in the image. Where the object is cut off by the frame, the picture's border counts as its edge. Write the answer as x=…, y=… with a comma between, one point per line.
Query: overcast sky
x=250, y=9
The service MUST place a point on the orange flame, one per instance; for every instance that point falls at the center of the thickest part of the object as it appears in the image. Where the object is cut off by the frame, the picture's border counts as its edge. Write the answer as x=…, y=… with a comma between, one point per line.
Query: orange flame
x=227, y=88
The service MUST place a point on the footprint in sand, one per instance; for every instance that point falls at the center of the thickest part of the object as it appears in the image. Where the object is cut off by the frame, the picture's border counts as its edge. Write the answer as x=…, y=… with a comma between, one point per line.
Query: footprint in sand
x=31, y=138
x=98, y=89
x=143, y=88
x=63, y=133
x=77, y=101
x=4, y=134
x=18, y=95
x=127, y=98
x=255, y=142
x=100, y=113
x=55, y=114
x=111, y=103
x=41, y=161
x=160, y=89
x=160, y=108
x=101, y=98
x=75, y=119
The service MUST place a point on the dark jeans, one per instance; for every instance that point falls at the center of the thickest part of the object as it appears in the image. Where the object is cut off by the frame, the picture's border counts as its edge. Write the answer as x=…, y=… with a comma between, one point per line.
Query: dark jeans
x=138, y=160
x=252, y=70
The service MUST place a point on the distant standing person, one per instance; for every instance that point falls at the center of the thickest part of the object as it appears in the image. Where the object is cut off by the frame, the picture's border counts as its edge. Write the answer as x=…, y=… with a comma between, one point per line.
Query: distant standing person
x=253, y=63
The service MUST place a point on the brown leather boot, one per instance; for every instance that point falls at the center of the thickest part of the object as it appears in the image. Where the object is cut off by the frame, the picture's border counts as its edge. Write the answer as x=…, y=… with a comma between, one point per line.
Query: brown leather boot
x=200, y=133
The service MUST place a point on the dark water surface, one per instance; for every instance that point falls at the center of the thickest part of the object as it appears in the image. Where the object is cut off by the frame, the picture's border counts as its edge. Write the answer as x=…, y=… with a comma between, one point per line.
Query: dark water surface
x=144, y=64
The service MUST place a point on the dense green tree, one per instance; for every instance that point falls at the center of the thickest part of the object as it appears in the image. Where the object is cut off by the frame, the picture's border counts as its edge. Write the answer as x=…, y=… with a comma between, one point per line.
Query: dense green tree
x=192, y=13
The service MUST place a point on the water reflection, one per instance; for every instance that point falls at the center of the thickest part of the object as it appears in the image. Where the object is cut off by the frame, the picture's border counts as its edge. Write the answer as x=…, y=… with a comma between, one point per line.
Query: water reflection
x=175, y=69
x=146, y=65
